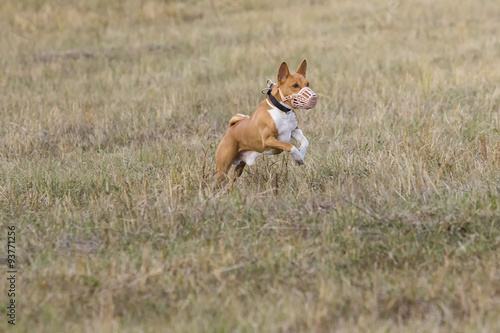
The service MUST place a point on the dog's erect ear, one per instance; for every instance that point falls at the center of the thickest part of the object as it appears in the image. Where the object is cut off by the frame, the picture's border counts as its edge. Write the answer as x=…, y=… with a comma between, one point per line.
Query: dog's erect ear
x=303, y=68
x=283, y=73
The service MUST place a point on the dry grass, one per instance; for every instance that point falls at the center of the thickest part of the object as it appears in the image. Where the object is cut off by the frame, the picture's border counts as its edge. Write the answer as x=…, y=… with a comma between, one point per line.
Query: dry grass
x=111, y=113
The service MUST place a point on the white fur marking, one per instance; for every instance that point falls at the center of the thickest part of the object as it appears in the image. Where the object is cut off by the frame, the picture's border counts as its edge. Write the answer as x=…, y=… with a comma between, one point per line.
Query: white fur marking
x=297, y=156
x=284, y=122
x=304, y=143
x=249, y=156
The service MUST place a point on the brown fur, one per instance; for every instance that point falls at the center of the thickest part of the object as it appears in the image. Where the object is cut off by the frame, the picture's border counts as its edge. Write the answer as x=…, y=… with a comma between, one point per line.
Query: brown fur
x=236, y=118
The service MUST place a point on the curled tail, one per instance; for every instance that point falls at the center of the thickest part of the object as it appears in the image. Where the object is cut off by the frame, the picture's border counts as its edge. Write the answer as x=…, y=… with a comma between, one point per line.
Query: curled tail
x=236, y=118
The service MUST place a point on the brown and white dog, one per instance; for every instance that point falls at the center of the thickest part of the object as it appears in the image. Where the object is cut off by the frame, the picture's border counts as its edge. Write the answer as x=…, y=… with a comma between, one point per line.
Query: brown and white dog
x=270, y=128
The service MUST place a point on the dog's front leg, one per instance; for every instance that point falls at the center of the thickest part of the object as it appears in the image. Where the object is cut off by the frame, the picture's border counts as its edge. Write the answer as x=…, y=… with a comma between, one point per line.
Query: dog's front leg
x=304, y=143
x=272, y=142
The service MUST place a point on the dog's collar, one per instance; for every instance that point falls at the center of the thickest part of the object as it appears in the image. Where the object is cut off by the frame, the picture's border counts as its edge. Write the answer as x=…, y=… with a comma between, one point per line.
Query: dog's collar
x=281, y=106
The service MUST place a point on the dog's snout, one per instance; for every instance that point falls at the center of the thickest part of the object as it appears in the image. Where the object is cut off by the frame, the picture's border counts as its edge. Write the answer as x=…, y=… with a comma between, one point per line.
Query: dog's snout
x=304, y=99
x=312, y=101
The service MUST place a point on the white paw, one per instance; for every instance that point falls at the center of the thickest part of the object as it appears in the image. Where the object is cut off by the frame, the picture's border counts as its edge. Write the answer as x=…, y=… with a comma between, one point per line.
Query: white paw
x=297, y=156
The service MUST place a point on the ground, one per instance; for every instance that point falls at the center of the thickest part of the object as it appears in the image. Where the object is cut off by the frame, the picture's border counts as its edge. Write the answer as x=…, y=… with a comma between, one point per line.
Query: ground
x=111, y=115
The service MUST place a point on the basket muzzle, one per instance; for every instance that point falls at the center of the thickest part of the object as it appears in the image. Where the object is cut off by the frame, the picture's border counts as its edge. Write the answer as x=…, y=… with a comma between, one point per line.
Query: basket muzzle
x=304, y=99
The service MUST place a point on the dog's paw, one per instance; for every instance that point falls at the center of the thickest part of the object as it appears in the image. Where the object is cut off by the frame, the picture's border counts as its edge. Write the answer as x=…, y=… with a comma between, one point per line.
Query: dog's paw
x=297, y=156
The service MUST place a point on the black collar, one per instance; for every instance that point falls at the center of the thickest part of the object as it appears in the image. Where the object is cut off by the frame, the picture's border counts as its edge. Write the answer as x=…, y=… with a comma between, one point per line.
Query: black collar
x=275, y=101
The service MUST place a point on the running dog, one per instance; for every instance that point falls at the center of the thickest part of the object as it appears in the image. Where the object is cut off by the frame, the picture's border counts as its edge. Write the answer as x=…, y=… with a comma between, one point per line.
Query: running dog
x=270, y=128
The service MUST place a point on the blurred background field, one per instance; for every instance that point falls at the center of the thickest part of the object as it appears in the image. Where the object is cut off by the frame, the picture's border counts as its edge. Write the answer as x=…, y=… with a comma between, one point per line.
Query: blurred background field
x=111, y=112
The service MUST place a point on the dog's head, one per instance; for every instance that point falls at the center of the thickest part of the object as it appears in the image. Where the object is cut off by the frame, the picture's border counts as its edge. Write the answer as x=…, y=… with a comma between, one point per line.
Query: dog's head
x=294, y=88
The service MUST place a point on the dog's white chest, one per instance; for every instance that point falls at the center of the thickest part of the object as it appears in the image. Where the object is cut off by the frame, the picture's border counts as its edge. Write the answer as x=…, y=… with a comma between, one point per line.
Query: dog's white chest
x=285, y=123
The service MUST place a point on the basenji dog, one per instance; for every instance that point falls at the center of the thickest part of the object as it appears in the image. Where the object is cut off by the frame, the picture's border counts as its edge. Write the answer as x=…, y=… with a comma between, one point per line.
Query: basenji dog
x=271, y=127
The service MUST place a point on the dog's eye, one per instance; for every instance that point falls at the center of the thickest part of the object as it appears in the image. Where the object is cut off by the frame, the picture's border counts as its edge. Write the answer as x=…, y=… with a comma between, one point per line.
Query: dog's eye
x=295, y=85
x=308, y=84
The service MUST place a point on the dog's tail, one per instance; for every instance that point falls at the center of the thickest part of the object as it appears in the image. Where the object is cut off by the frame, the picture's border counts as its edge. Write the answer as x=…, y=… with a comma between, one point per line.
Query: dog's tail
x=236, y=118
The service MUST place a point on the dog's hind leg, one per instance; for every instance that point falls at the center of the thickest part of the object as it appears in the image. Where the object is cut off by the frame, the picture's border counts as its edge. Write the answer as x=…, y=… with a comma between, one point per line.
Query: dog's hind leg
x=238, y=170
x=226, y=153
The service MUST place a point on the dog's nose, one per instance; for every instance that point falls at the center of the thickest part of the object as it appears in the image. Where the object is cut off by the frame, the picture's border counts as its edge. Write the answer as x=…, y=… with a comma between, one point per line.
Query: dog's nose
x=312, y=100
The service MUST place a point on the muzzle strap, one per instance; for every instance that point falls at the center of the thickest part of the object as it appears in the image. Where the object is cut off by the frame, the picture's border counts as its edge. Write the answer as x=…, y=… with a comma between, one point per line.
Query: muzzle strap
x=275, y=101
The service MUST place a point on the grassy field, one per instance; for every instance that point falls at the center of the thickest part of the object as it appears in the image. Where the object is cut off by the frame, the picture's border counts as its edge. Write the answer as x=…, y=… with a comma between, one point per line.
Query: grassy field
x=111, y=112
